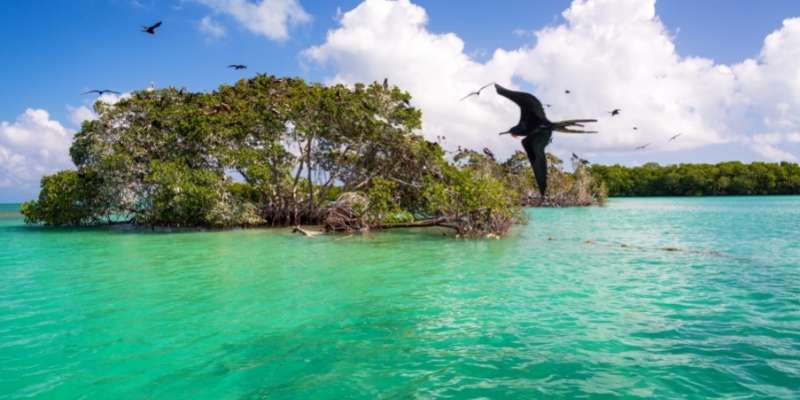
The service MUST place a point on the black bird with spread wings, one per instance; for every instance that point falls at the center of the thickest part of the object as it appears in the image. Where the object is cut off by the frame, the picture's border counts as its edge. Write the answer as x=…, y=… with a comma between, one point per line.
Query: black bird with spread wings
x=152, y=28
x=614, y=112
x=537, y=130
x=675, y=137
x=237, y=66
x=101, y=92
x=642, y=147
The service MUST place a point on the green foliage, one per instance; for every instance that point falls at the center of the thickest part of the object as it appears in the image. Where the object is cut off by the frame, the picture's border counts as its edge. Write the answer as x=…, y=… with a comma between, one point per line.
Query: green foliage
x=727, y=178
x=63, y=200
x=303, y=152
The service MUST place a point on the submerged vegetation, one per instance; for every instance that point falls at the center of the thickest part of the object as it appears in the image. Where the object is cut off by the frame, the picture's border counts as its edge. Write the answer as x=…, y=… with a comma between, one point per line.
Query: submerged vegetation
x=726, y=178
x=281, y=152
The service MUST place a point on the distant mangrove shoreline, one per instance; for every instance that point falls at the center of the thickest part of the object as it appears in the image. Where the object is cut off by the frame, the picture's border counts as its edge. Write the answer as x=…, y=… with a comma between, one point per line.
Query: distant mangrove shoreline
x=731, y=178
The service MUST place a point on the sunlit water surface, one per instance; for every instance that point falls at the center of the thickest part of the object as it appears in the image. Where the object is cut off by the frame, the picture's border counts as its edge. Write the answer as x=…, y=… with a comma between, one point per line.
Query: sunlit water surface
x=668, y=298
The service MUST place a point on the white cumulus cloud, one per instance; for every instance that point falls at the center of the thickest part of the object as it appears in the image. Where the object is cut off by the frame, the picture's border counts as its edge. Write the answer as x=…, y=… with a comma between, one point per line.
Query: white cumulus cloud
x=269, y=18
x=608, y=53
x=212, y=29
x=30, y=147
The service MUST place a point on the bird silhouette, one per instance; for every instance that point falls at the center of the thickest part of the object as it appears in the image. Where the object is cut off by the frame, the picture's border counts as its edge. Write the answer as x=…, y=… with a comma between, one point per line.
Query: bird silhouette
x=152, y=28
x=636, y=128
x=101, y=92
x=537, y=130
x=642, y=147
x=579, y=159
x=548, y=105
x=386, y=83
x=675, y=137
x=567, y=91
x=614, y=112
x=477, y=92
x=488, y=153
x=237, y=66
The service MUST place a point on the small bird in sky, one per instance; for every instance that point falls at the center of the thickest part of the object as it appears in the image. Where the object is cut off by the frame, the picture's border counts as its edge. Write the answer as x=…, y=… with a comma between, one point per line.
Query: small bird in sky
x=675, y=137
x=614, y=112
x=642, y=147
x=237, y=66
x=548, y=105
x=636, y=128
x=567, y=91
x=477, y=92
x=101, y=92
x=152, y=28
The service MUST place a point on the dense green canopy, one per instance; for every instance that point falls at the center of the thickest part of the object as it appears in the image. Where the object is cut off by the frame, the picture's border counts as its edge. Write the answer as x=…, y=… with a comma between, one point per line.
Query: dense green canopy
x=727, y=178
x=275, y=151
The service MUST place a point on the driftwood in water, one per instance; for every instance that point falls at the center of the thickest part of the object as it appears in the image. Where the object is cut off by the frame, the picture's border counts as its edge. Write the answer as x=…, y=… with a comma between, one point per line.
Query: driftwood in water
x=305, y=232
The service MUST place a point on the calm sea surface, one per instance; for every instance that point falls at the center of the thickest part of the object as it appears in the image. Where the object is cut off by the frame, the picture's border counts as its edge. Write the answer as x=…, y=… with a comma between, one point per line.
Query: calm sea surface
x=667, y=298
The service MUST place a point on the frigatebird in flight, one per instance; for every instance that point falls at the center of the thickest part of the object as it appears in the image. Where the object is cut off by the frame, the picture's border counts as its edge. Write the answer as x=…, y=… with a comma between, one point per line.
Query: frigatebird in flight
x=152, y=28
x=675, y=137
x=237, y=66
x=642, y=147
x=537, y=130
x=101, y=92
x=477, y=92
x=614, y=112
x=636, y=128
x=567, y=91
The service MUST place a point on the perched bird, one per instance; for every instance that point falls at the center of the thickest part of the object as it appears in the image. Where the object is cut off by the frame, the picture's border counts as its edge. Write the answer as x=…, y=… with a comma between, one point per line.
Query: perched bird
x=614, y=112
x=537, y=130
x=386, y=83
x=642, y=147
x=237, y=66
x=152, y=28
x=477, y=92
x=101, y=92
x=675, y=137
x=488, y=153
x=578, y=159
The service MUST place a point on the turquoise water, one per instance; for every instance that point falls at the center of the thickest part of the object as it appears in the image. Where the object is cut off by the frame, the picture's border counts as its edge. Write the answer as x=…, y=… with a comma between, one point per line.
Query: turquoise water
x=667, y=298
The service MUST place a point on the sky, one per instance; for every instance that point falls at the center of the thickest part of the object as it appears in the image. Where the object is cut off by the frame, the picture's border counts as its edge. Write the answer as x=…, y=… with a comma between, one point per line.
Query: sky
x=723, y=74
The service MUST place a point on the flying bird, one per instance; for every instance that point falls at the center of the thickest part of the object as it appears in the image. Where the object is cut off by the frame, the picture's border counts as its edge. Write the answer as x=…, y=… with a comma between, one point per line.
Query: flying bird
x=237, y=66
x=548, y=105
x=477, y=92
x=636, y=128
x=567, y=91
x=675, y=137
x=642, y=147
x=101, y=92
x=614, y=112
x=537, y=130
x=152, y=28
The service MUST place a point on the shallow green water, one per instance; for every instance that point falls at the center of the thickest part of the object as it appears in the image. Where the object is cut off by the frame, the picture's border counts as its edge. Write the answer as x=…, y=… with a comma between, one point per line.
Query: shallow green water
x=541, y=314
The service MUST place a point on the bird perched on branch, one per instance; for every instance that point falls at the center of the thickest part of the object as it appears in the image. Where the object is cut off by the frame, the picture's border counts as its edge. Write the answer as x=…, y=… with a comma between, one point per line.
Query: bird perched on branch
x=101, y=92
x=537, y=131
x=152, y=28
x=477, y=92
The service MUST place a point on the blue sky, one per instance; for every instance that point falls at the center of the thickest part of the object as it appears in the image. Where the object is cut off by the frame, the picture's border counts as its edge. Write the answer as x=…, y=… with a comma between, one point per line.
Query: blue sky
x=53, y=51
